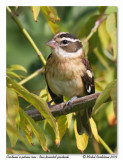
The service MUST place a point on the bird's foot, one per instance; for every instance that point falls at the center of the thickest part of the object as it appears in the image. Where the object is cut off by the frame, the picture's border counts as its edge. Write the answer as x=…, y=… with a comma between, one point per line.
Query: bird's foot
x=69, y=103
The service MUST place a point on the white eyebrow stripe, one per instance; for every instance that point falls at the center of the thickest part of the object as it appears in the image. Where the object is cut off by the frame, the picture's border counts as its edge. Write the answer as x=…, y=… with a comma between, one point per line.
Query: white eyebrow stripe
x=58, y=34
x=70, y=39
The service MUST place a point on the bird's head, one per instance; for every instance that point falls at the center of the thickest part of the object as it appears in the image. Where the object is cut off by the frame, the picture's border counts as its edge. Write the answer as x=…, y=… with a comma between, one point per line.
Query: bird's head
x=66, y=45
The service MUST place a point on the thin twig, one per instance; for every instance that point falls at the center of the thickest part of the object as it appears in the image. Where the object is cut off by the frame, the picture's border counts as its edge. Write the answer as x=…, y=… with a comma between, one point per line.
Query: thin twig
x=38, y=72
x=14, y=16
x=63, y=108
x=105, y=145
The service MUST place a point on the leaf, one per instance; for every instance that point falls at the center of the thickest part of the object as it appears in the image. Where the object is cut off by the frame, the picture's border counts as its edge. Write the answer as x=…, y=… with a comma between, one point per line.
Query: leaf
x=102, y=9
x=85, y=31
x=16, y=67
x=28, y=123
x=44, y=94
x=103, y=34
x=85, y=46
x=38, y=103
x=104, y=96
x=35, y=11
x=110, y=114
x=62, y=125
x=98, y=85
x=94, y=129
x=69, y=119
x=24, y=125
x=111, y=26
x=51, y=16
x=113, y=94
x=12, y=112
x=12, y=74
x=99, y=53
x=13, y=131
x=111, y=9
x=81, y=140
x=13, y=151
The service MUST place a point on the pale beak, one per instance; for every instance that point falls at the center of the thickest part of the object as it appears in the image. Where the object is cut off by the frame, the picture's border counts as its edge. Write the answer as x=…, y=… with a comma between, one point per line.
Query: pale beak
x=52, y=43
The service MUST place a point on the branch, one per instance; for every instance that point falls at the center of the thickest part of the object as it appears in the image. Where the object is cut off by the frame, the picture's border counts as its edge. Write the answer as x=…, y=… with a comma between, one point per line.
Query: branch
x=63, y=108
x=14, y=16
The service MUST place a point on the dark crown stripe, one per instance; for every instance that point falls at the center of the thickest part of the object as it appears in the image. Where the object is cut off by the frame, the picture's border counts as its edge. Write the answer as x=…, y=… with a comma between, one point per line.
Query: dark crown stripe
x=67, y=35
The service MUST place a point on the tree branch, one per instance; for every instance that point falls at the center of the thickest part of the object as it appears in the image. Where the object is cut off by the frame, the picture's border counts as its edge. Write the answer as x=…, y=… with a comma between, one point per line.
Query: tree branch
x=63, y=108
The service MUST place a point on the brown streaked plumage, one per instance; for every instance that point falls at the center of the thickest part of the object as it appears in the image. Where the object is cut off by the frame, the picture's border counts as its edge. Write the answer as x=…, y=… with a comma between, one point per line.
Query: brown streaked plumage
x=68, y=73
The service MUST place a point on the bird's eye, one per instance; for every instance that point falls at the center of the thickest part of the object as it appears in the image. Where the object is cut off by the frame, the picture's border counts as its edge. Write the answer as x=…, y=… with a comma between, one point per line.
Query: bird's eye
x=64, y=41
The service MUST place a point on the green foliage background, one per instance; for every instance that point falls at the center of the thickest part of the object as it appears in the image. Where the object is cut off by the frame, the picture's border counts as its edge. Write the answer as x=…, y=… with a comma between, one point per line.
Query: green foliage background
x=101, y=51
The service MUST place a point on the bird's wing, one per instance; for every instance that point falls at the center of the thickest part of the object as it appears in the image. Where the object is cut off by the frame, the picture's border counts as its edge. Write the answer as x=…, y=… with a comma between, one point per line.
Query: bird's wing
x=54, y=97
x=83, y=123
x=88, y=78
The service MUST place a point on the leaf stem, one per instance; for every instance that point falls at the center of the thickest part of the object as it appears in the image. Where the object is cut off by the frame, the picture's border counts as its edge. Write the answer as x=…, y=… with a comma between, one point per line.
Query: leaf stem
x=39, y=71
x=97, y=24
x=14, y=16
x=105, y=145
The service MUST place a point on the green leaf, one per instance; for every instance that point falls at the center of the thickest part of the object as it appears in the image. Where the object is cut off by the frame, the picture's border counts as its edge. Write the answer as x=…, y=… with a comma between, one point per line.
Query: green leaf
x=113, y=94
x=38, y=103
x=35, y=11
x=13, y=74
x=51, y=16
x=81, y=140
x=27, y=123
x=111, y=9
x=103, y=35
x=13, y=131
x=85, y=31
x=111, y=26
x=16, y=67
x=102, y=9
x=12, y=112
x=85, y=46
x=104, y=96
x=25, y=126
x=94, y=129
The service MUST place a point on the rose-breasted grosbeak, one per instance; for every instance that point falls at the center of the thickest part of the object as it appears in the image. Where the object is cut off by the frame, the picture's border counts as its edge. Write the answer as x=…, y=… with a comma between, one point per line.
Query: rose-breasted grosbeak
x=68, y=73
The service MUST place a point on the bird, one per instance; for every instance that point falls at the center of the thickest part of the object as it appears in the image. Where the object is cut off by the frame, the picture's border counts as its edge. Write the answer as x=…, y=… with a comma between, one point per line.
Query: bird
x=68, y=73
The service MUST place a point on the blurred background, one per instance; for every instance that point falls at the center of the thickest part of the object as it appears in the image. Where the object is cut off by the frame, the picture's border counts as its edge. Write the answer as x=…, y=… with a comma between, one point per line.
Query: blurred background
x=100, y=51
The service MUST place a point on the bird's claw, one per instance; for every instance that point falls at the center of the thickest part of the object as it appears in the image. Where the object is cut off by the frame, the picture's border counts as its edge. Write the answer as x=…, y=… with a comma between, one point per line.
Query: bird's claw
x=69, y=103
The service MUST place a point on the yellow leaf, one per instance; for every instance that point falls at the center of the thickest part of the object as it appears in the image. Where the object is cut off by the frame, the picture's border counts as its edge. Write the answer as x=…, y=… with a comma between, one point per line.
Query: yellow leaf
x=51, y=16
x=62, y=125
x=104, y=36
x=44, y=94
x=81, y=140
x=28, y=124
x=38, y=103
x=12, y=112
x=94, y=129
x=35, y=11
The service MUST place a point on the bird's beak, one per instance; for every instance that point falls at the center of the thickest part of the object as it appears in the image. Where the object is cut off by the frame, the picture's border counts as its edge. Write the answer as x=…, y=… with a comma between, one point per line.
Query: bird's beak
x=52, y=43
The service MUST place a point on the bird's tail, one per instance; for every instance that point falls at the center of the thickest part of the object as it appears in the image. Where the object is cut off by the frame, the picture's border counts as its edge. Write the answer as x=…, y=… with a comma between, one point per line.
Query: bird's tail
x=83, y=123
